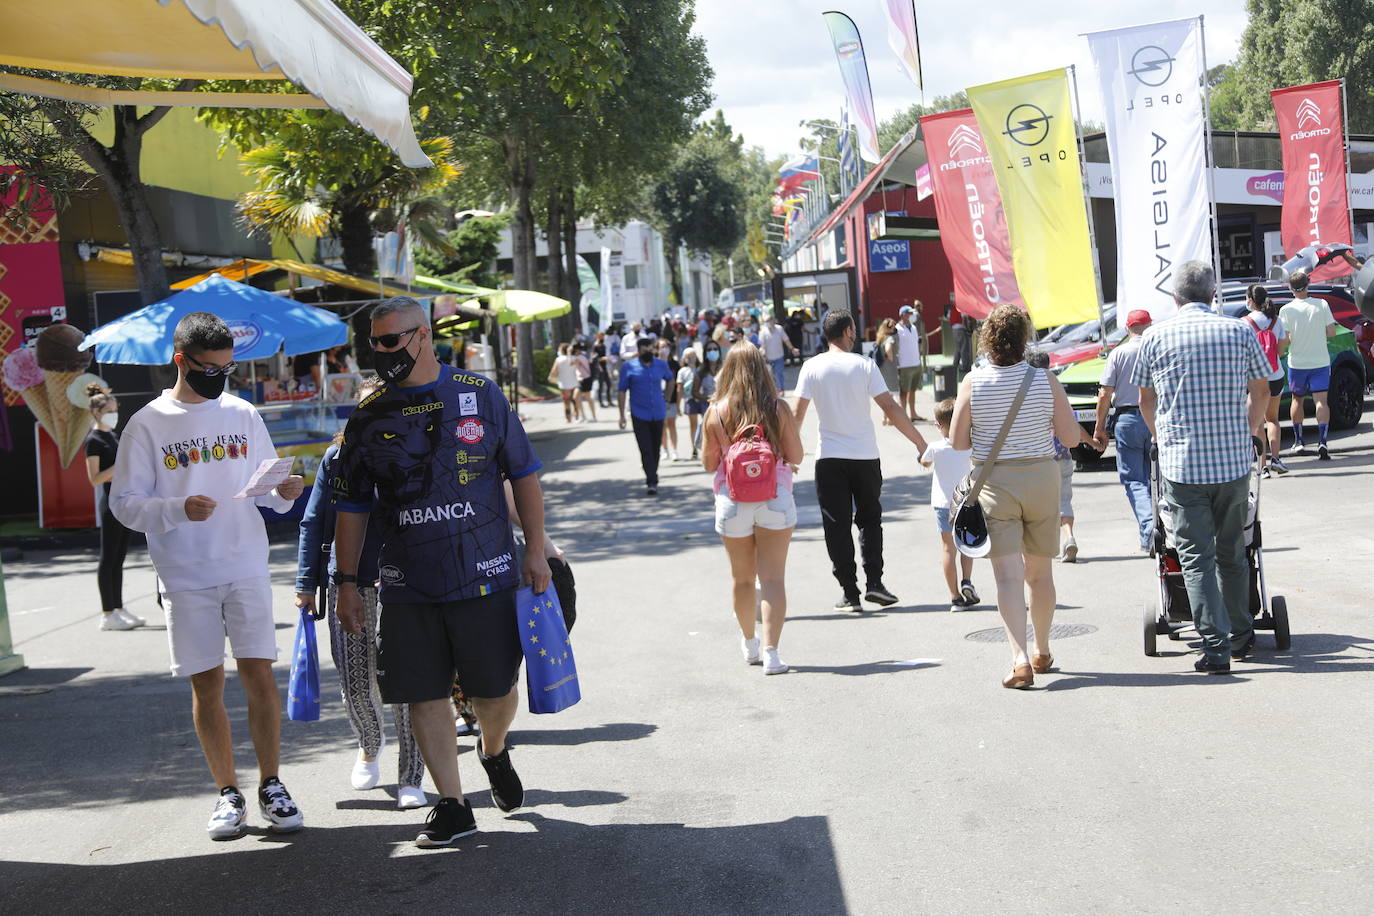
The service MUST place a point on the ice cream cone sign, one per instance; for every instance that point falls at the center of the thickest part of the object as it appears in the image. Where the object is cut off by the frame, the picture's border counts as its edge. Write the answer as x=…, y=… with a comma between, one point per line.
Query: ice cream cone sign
x=42, y=374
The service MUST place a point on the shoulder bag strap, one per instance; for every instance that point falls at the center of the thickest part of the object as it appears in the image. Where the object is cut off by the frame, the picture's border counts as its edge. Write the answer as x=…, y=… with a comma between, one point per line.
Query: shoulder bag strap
x=986, y=467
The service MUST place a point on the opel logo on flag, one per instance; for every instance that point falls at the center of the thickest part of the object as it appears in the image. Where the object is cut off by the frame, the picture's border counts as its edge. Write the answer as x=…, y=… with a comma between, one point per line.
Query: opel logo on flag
x=1152, y=65
x=1028, y=125
x=1309, y=113
x=964, y=138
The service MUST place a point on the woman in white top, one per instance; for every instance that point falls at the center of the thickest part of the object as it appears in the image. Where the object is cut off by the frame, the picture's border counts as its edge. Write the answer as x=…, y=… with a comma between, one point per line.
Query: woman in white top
x=1021, y=496
x=583, y=369
x=564, y=373
x=1263, y=315
x=755, y=534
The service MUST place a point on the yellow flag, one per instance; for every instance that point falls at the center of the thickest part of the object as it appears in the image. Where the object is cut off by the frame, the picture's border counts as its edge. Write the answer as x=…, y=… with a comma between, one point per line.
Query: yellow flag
x=1027, y=124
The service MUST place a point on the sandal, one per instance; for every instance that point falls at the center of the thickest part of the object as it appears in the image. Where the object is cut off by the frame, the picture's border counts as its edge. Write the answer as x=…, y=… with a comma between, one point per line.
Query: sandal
x=1041, y=664
x=1020, y=678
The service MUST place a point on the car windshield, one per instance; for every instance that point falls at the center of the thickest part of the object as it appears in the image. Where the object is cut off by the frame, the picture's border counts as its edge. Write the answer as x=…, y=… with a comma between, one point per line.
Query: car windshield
x=1091, y=330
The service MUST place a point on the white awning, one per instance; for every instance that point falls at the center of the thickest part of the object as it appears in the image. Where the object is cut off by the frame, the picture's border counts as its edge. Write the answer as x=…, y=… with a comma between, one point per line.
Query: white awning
x=309, y=42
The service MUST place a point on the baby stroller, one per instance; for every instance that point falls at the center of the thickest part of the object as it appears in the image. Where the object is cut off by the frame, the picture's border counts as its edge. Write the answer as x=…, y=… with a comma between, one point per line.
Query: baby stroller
x=1174, y=614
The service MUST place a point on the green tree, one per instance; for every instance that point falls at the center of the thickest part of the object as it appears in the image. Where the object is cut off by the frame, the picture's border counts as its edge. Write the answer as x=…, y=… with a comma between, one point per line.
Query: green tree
x=472, y=252
x=1226, y=98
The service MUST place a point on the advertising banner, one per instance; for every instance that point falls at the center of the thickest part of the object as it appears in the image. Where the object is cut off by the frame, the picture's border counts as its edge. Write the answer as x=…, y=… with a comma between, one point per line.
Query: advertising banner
x=973, y=227
x=849, y=53
x=1152, y=78
x=1316, y=208
x=902, y=37
x=31, y=295
x=1027, y=126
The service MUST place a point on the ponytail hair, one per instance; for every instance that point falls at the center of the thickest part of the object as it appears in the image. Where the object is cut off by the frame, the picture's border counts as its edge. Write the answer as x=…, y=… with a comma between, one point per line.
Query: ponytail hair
x=100, y=397
x=1263, y=304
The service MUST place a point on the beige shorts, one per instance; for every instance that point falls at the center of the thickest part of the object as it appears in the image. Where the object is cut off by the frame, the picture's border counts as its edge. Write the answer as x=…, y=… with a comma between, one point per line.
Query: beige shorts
x=1021, y=503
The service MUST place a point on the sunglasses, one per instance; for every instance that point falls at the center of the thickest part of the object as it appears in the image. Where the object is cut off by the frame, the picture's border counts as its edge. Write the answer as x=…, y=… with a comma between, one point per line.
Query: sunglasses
x=212, y=371
x=390, y=341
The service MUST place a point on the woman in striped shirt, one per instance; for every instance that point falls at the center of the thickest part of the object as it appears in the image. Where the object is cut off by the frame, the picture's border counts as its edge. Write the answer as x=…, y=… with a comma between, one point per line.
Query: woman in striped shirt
x=1021, y=496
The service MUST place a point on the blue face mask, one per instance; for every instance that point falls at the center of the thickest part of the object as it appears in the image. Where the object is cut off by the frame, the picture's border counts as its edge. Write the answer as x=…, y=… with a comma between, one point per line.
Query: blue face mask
x=713, y=356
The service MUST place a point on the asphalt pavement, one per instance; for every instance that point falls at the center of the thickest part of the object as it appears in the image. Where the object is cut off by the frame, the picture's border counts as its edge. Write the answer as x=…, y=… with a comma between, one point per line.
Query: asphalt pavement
x=888, y=772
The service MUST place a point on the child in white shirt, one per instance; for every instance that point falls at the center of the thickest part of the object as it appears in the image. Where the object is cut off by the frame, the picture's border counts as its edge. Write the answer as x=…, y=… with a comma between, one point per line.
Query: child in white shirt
x=950, y=465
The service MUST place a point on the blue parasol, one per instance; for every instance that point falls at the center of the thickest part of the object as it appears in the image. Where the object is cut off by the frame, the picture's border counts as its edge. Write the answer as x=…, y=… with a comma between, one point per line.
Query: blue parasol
x=262, y=324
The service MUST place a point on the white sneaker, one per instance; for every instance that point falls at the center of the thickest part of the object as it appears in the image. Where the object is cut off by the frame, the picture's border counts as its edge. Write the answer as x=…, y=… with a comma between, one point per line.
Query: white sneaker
x=231, y=812
x=771, y=663
x=410, y=797
x=366, y=774
x=1070, y=554
x=750, y=648
x=112, y=621
x=674, y=456
x=277, y=808
x=131, y=618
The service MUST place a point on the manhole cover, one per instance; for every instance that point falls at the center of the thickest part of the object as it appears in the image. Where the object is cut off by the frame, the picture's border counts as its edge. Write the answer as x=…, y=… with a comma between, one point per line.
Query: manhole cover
x=1057, y=631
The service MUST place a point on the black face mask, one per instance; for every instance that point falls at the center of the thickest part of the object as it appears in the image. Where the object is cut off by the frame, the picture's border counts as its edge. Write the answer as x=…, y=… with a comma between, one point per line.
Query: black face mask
x=207, y=386
x=393, y=365
x=646, y=357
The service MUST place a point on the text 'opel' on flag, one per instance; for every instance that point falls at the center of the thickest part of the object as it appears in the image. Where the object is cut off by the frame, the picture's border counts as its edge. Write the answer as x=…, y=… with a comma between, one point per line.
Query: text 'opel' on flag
x=903, y=38
x=1316, y=204
x=1027, y=124
x=1152, y=78
x=849, y=53
x=973, y=227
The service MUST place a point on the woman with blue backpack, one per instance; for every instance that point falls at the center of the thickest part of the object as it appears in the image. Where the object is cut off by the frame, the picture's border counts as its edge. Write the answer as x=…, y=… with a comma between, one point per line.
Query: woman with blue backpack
x=752, y=444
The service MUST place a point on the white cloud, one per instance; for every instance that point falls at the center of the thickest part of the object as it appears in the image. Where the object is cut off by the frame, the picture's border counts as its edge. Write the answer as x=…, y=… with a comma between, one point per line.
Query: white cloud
x=775, y=65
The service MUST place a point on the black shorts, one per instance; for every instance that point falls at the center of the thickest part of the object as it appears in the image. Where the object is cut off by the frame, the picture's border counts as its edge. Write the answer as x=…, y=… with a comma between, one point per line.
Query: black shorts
x=1276, y=387
x=585, y=384
x=421, y=646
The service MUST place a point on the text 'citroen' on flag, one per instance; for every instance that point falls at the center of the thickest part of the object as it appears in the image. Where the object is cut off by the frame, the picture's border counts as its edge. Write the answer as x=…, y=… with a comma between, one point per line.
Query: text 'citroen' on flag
x=1152, y=78
x=903, y=38
x=849, y=54
x=973, y=227
x=550, y=670
x=1316, y=203
x=1027, y=124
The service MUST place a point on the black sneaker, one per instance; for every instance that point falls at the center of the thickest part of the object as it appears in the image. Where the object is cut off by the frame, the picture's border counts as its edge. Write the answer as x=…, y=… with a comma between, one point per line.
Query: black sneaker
x=651, y=491
x=277, y=808
x=849, y=603
x=448, y=821
x=1323, y=454
x=880, y=596
x=969, y=592
x=506, y=789
x=958, y=603
x=1212, y=665
x=1239, y=652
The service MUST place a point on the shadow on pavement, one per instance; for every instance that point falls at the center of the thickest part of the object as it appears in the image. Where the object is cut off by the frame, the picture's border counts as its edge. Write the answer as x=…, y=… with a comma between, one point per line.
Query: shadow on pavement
x=865, y=668
x=612, y=731
x=557, y=867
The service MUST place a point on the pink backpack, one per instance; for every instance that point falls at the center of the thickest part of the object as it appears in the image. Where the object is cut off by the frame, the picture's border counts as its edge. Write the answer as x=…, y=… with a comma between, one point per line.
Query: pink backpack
x=1268, y=341
x=751, y=466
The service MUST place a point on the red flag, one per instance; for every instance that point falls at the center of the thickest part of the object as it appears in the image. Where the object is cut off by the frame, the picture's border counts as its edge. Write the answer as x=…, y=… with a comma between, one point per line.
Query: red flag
x=973, y=229
x=1316, y=209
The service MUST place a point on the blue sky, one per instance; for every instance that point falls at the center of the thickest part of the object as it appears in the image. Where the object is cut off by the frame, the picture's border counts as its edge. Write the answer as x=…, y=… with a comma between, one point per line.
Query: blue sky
x=775, y=66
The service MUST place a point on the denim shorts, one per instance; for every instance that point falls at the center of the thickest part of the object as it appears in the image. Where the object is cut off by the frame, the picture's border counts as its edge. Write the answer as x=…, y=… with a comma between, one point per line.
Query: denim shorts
x=1307, y=381
x=738, y=520
x=942, y=521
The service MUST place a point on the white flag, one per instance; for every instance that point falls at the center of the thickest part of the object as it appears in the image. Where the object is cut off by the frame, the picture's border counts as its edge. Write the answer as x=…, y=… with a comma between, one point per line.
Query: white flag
x=1152, y=80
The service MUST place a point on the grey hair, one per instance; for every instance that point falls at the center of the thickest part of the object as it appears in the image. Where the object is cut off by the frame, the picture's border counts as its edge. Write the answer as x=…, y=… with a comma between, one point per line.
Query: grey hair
x=1194, y=281
x=397, y=305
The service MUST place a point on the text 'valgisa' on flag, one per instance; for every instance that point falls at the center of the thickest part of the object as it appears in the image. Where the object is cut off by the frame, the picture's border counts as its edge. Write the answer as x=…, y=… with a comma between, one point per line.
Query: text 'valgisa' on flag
x=1152, y=77
x=1316, y=205
x=1027, y=124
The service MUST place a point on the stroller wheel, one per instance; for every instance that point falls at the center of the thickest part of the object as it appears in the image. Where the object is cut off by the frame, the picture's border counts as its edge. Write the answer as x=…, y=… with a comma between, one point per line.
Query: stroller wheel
x=1278, y=609
x=1151, y=620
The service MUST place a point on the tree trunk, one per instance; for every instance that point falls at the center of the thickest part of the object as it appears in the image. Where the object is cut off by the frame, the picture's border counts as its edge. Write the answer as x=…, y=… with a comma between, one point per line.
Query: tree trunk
x=553, y=233
x=572, y=285
x=674, y=272
x=520, y=174
x=355, y=237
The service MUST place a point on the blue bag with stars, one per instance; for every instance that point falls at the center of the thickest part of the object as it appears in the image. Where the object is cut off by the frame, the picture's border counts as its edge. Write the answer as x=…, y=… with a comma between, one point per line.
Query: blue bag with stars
x=550, y=671
x=303, y=693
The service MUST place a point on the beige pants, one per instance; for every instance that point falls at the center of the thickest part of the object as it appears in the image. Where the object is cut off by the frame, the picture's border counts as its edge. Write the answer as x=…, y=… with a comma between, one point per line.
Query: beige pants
x=1021, y=503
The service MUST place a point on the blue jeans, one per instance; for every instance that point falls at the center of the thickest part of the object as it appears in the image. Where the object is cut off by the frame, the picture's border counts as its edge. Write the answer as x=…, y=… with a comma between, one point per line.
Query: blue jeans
x=777, y=365
x=1209, y=532
x=1133, y=467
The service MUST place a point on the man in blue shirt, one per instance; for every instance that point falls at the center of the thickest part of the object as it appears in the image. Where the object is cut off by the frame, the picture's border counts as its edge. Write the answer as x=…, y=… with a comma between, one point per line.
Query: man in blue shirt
x=643, y=378
x=1203, y=388
x=428, y=454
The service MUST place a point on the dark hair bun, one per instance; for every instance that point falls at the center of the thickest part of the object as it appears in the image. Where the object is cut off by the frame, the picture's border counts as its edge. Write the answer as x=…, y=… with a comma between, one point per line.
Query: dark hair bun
x=95, y=388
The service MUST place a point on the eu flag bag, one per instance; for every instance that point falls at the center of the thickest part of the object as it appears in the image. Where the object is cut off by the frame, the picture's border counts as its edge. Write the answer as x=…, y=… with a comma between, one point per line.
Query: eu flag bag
x=303, y=694
x=550, y=671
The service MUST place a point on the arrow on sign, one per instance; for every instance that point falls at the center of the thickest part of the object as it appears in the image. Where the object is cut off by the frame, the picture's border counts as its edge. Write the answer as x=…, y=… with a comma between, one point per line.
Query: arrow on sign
x=889, y=262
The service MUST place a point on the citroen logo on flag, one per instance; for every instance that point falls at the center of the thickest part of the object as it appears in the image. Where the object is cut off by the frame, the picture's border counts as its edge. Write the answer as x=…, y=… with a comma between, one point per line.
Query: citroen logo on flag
x=1309, y=113
x=1152, y=65
x=1028, y=125
x=964, y=139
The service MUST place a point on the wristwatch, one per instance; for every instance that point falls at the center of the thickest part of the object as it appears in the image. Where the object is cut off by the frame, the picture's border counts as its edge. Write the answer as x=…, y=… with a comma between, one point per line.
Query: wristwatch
x=344, y=579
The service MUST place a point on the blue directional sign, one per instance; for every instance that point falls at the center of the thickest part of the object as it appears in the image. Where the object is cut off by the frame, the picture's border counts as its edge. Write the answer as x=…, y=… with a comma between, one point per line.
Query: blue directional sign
x=889, y=254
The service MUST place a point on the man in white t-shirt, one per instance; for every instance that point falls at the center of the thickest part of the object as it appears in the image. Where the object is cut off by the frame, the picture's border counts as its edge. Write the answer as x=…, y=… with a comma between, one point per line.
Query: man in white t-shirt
x=908, y=358
x=849, y=476
x=775, y=345
x=1307, y=324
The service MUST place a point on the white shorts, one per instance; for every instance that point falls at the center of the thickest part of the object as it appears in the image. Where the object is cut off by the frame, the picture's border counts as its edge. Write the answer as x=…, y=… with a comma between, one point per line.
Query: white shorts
x=199, y=620
x=738, y=520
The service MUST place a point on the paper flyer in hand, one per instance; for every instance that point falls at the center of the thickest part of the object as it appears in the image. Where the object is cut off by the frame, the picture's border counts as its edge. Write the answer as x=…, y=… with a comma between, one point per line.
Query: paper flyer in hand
x=265, y=479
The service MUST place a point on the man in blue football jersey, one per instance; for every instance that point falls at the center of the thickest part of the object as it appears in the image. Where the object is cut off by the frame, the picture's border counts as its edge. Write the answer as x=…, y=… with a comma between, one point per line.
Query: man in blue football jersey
x=428, y=454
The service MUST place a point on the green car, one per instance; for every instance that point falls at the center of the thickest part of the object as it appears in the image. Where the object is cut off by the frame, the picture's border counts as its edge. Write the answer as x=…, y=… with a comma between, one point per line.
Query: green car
x=1346, y=397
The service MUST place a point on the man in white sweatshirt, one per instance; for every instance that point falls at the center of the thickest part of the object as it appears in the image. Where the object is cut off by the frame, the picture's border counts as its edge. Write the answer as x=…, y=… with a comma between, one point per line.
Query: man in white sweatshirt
x=182, y=459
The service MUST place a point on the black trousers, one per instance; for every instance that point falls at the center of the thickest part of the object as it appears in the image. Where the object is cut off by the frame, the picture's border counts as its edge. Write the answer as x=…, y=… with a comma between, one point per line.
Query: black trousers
x=603, y=386
x=649, y=436
x=849, y=492
x=114, y=547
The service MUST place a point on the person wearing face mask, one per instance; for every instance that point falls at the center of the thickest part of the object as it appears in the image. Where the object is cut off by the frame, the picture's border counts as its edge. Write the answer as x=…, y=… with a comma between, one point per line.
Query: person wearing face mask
x=702, y=389
x=642, y=379
x=183, y=460
x=101, y=449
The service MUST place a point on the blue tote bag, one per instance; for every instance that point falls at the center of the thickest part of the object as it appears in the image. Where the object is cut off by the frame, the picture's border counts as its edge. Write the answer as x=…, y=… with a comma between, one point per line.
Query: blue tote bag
x=550, y=670
x=303, y=694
